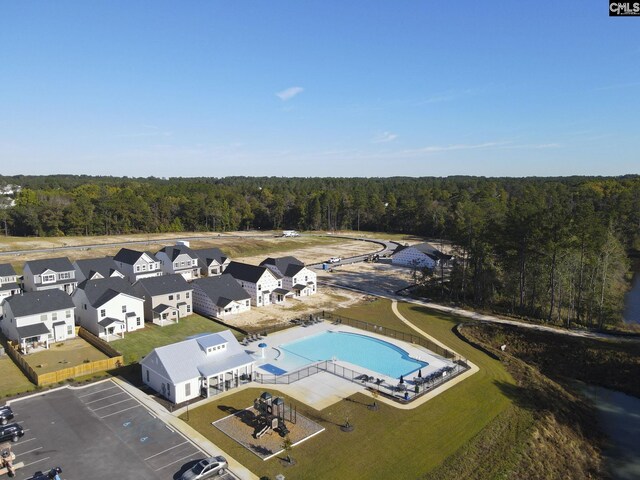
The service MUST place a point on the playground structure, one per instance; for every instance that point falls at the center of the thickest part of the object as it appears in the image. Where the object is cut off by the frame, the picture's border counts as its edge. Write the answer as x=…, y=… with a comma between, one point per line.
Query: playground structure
x=271, y=415
x=7, y=457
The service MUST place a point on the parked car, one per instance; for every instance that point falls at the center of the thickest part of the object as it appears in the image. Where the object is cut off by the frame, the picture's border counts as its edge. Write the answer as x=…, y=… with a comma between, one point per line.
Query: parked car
x=6, y=414
x=53, y=474
x=206, y=468
x=12, y=432
x=335, y=259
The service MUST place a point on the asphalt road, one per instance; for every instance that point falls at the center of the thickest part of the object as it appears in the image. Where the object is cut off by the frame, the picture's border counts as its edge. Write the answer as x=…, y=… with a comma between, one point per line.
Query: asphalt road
x=99, y=432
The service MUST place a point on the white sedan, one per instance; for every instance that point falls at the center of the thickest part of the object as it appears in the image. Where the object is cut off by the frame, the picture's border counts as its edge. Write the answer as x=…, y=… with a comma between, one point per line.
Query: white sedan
x=335, y=260
x=206, y=468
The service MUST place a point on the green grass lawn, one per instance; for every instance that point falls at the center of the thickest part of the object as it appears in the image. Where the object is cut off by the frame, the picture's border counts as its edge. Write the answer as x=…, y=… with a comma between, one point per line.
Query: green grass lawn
x=388, y=443
x=64, y=355
x=136, y=345
x=13, y=380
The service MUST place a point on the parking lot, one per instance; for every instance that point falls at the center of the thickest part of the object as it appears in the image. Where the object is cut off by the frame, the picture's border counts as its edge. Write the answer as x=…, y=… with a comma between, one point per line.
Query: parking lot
x=99, y=432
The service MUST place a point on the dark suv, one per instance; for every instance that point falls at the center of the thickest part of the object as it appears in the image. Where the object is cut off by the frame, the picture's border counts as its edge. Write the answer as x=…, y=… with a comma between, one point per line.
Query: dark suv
x=11, y=432
x=6, y=414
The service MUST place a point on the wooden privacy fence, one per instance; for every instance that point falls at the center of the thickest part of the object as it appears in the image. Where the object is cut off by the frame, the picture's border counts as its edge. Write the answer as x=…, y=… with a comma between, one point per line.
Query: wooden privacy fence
x=63, y=374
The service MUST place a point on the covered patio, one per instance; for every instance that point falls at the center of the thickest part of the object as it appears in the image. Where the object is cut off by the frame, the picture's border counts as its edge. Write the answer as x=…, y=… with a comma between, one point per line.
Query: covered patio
x=222, y=376
x=165, y=315
x=33, y=337
x=111, y=329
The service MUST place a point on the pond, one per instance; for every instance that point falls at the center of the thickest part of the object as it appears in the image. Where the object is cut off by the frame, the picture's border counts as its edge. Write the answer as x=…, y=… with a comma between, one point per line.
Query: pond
x=619, y=416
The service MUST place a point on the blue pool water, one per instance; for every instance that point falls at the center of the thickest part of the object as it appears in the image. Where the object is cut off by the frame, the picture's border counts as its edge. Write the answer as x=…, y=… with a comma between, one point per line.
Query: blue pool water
x=362, y=350
x=272, y=369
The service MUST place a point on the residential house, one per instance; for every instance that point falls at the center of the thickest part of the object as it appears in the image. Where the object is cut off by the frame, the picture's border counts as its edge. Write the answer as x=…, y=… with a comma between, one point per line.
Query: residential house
x=8, y=283
x=179, y=259
x=212, y=261
x=96, y=268
x=219, y=296
x=422, y=255
x=108, y=307
x=166, y=299
x=201, y=366
x=136, y=265
x=264, y=286
x=296, y=277
x=38, y=318
x=49, y=273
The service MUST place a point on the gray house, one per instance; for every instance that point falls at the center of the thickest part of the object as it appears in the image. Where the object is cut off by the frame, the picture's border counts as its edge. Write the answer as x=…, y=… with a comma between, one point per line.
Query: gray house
x=36, y=319
x=219, y=296
x=8, y=283
x=296, y=277
x=96, y=268
x=179, y=259
x=212, y=261
x=167, y=298
x=50, y=273
x=136, y=265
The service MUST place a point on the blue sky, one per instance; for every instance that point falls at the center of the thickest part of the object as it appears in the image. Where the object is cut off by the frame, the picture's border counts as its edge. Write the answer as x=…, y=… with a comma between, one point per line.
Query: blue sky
x=318, y=88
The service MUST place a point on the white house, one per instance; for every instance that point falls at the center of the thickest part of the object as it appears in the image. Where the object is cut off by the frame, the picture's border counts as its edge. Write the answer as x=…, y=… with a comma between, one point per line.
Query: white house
x=96, y=268
x=38, y=318
x=297, y=278
x=48, y=274
x=166, y=299
x=264, y=285
x=219, y=296
x=201, y=366
x=108, y=307
x=136, y=265
x=422, y=255
x=8, y=283
x=212, y=261
x=179, y=259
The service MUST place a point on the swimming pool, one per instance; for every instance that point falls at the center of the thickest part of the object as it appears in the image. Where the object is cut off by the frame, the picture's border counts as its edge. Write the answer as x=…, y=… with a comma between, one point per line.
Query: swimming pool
x=367, y=352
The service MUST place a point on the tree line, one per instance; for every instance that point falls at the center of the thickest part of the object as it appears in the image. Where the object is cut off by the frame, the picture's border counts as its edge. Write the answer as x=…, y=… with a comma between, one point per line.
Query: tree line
x=548, y=248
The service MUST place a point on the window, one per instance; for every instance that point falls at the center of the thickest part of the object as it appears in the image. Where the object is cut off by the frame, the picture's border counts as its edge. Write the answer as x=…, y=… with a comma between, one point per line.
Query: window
x=176, y=265
x=68, y=313
x=54, y=316
x=279, y=283
x=187, y=389
x=64, y=275
x=187, y=295
x=147, y=375
x=85, y=306
x=168, y=390
x=51, y=336
x=306, y=278
x=137, y=269
x=124, y=309
x=43, y=317
x=259, y=287
x=103, y=312
x=138, y=321
x=69, y=329
x=178, y=296
x=188, y=308
x=246, y=303
x=170, y=297
x=48, y=278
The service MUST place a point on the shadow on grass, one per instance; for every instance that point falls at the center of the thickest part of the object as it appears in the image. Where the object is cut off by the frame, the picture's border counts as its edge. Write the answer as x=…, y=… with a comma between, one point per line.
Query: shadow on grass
x=246, y=416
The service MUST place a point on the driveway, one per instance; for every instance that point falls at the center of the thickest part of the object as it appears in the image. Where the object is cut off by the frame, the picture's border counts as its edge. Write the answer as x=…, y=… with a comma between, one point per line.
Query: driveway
x=99, y=432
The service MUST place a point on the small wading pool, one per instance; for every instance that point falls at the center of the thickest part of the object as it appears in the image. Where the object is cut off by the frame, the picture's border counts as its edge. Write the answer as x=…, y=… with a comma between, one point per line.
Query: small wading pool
x=367, y=352
x=272, y=369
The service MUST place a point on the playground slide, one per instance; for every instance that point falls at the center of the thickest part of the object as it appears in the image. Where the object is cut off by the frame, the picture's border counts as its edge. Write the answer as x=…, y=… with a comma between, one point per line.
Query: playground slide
x=263, y=430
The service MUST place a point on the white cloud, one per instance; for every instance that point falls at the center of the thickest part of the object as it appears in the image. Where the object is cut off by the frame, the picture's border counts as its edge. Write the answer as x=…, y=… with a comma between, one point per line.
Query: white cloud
x=384, y=137
x=289, y=93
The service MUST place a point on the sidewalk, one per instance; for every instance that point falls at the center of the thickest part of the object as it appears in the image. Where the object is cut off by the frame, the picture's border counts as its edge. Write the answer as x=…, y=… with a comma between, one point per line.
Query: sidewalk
x=211, y=449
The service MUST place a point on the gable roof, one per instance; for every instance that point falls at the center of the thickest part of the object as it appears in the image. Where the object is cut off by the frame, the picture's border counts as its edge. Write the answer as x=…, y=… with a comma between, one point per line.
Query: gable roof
x=34, y=303
x=100, y=291
x=128, y=256
x=287, y=266
x=222, y=290
x=188, y=359
x=177, y=250
x=246, y=272
x=105, y=266
x=207, y=255
x=426, y=248
x=59, y=264
x=6, y=270
x=166, y=284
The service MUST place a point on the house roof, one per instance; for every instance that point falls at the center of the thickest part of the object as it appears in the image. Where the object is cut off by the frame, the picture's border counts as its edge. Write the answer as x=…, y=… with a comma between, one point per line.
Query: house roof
x=34, y=303
x=59, y=264
x=222, y=290
x=128, y=256
x=208, y=255
x=287, y=266
x=105, y=266
x=6, y=270
x=188, y=359
x=33, y=330
x=163, y=285
x=246, y=272
x=174, y=251
x=212, y=340
x=108, y=321
x=426, y=248
x=100, y=291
